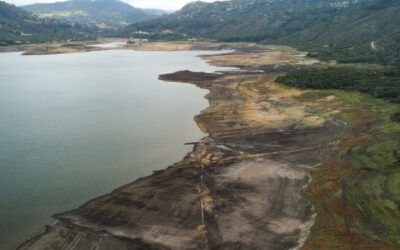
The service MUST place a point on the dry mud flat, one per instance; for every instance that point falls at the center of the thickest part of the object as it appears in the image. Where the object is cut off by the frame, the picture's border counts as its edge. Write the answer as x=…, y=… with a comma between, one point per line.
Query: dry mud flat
x=122, y=44
x=242, y=187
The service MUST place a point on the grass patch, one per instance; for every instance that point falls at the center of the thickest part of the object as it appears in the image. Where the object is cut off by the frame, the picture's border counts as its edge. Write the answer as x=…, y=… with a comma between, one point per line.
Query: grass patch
x=368, y=159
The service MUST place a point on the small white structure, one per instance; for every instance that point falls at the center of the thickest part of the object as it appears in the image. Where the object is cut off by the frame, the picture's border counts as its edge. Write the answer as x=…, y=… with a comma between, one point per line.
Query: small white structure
x=137, y=41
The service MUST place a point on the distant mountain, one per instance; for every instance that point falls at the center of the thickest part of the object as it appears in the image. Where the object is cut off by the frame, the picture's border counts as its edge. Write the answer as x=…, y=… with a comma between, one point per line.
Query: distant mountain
x=103, y=13
x=346, y=30
x=18, y=26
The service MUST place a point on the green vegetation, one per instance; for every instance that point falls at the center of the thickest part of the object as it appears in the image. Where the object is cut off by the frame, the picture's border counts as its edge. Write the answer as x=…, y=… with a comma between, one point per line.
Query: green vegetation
x=376, y=123
x=364, y=32
x=396, y=117
x=379, y=82
x=105, y=14
x=68, y=21
x=366, y=168
x=346, y=31
x=376, y=165
x=19, y=27
x=379, y=196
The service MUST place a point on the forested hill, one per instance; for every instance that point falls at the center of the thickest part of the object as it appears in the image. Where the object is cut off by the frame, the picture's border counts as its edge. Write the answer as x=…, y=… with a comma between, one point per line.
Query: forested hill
x=17, y=26
x=348, y=31
x=231, y=19
x=103, y=13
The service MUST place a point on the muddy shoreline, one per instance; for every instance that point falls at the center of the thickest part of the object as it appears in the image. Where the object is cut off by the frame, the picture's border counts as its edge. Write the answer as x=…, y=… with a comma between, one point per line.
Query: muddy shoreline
x=123, y=44
x=242, y=187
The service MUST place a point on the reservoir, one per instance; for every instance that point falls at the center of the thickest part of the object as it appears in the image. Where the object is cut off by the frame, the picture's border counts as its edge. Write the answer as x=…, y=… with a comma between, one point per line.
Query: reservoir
x=76, y=126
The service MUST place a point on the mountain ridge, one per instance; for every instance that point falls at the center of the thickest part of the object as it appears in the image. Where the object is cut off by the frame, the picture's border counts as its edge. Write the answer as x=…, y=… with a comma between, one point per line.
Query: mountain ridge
x=18, y=26
x=329, y=29
x=103, y=13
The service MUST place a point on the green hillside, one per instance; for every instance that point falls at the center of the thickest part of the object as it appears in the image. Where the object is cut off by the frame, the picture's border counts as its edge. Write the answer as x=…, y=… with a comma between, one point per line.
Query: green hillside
x=230, y=19
x=347, y=31
x=19, y=27
x=368, y=31
x=103, y=13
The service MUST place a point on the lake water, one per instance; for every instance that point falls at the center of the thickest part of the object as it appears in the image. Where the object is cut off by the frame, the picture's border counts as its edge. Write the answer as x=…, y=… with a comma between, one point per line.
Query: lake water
x=75, y=126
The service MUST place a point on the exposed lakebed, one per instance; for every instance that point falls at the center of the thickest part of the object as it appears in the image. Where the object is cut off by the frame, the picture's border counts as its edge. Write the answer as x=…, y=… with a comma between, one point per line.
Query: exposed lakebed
x=75, y=126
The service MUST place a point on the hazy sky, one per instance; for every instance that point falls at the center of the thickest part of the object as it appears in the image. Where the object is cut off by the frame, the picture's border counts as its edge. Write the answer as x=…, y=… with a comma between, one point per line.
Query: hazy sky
x=159, y=4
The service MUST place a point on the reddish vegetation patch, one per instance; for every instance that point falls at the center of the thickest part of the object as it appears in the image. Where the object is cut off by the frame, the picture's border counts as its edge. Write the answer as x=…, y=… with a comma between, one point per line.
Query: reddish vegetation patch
x=330, y=230
x=329, y=194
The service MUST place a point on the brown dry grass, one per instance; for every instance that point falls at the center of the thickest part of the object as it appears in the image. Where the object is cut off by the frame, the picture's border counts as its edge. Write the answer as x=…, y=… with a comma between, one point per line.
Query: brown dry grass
x=258, y=59
x=174, y=46
x=269, y=104
x=163, y=46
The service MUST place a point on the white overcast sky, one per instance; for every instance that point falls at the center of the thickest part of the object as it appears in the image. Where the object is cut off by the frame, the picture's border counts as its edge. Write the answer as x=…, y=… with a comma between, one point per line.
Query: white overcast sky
x=158, y=4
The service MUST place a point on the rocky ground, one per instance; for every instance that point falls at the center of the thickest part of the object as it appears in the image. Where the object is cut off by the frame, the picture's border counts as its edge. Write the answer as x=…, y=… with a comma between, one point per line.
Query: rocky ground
x=242, y=187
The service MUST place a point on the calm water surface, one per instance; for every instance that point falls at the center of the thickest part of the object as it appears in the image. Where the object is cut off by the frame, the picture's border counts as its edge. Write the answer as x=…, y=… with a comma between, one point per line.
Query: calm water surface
x=75, y=126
